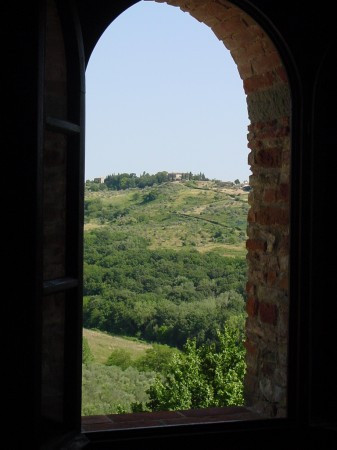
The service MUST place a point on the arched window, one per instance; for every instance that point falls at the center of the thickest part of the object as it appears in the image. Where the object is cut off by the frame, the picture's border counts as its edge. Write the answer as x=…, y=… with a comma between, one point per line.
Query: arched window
x=268, y=100
x=266, y=85
x=155, y=102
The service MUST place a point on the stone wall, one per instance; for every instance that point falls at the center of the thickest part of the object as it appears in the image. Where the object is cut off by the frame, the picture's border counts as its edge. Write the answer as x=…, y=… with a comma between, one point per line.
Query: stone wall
x=269, y=108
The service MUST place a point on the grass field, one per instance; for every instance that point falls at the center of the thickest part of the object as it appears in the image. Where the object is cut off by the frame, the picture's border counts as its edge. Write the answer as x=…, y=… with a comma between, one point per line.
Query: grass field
x=102, y=344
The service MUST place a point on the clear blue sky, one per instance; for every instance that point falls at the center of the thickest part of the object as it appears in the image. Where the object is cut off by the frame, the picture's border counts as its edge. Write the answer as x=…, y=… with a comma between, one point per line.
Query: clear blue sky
x=164, y=94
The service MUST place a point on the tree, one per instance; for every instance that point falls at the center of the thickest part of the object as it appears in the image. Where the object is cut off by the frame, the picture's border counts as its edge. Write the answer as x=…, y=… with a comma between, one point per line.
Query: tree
x=119, y=357
x=211, y=375
x=149, y=197
x=237, y=181
x=156, y=359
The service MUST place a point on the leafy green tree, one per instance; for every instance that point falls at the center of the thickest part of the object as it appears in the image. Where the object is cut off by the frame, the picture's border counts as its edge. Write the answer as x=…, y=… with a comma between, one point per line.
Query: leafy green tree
x=149, y=197
x=119, y=357
x=209, y=375
x=156, y=359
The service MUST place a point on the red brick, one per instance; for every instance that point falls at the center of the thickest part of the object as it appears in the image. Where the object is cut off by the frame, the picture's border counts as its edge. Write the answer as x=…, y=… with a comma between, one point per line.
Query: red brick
x=250, y=347
x=255, y=48
x=258, y=276
x=250, y=288
x=249, y=49
x=268, y=158
x=216, y=10
x=219, y=30
x=254, y=144
x=250, y=385
x=268, y=369
x=272, y=216
x=271, y=277
x=284, y=246
x=266, y=62
x=252, y=306
x=285, y=158
x=251, y=216
x=272, y=128
x=259, y=82
x=234, y=25
x=284, y=283
x=260, y=34
x=256, y=245
x=283, y=194
x=268, y=313
x=245, y=68
x=198, y=12
x=244, y=36
x=282, y=74
x=277, y=195
x=269, y=196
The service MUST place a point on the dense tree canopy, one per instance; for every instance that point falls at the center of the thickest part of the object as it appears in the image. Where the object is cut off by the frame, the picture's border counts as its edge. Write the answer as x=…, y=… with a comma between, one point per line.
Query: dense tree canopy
x=163, y=296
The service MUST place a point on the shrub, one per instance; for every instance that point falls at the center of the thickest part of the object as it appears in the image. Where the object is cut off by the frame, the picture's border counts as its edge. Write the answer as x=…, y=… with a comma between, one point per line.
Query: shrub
x=156, y=359
x=119, y=357
x=111, y=390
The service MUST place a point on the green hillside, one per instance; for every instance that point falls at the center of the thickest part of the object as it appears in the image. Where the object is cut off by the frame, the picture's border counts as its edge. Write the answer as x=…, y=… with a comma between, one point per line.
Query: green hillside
x=174, y=215
x=165, y=264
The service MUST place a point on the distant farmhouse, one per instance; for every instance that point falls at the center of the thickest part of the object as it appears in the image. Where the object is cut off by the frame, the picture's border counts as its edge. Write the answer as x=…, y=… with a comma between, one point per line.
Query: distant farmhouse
x=175, y=176
x=99, y=180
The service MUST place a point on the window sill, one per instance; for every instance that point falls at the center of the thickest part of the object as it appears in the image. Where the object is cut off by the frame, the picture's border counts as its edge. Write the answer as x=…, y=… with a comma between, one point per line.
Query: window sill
x=167, y=418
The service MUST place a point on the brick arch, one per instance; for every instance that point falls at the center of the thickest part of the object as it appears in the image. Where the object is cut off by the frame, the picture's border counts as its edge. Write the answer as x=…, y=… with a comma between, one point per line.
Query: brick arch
x=269, y=107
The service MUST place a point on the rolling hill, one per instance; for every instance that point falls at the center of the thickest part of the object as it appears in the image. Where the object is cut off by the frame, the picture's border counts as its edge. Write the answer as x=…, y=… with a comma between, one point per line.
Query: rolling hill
x=173, y=215
x=163, y=264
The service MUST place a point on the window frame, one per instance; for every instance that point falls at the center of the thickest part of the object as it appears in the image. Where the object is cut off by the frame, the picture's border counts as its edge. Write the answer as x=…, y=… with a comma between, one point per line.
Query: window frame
x=235, y=433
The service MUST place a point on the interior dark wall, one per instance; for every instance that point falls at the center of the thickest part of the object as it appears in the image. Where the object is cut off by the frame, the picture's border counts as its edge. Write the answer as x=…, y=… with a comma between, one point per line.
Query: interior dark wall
x=21, y=124
x=323, y=277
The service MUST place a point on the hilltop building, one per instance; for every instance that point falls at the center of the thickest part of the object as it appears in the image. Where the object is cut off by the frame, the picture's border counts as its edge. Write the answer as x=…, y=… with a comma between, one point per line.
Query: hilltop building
x=175, y=176
x=99, y=180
